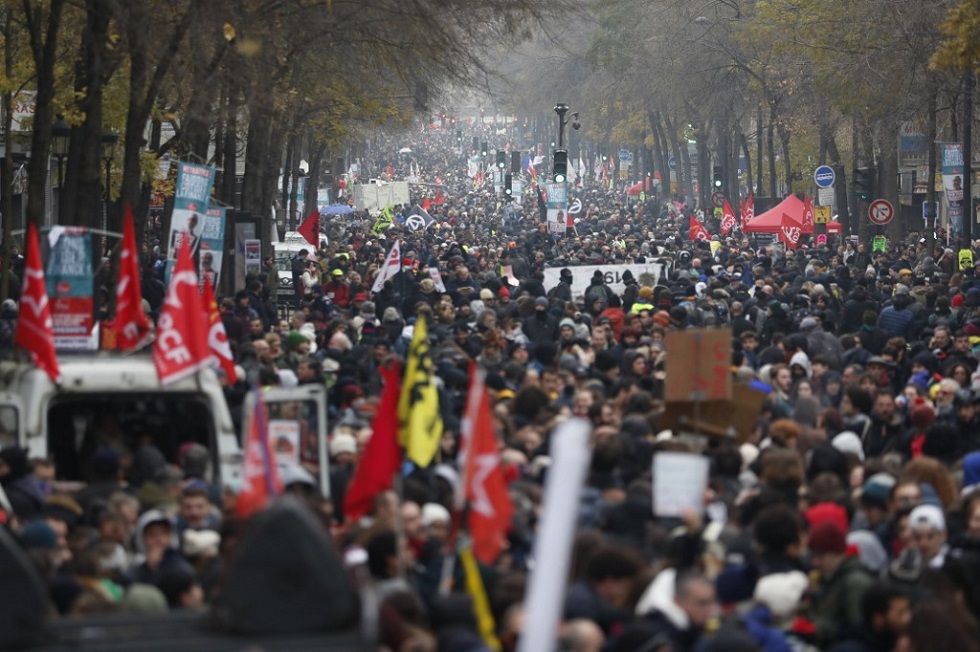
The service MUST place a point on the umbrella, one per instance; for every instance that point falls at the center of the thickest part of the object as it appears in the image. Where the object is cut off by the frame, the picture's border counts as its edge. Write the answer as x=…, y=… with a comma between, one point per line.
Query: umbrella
x=336, y=209
x=405, y=150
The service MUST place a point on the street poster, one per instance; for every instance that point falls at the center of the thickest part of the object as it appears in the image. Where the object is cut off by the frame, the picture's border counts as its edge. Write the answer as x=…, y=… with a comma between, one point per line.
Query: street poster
x=193, y=189
x=212, y=245
x=556, y=198
x=70, y=284
x=951, y=155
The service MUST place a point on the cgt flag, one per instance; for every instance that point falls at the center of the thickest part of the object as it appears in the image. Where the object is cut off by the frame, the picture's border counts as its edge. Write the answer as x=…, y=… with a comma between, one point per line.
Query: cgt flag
x=221, y=355
x=698, y=232
x=807, y=215
x=748, y=210
x=181, y=346
x=35, y=330
x=728, y=220
x=418, y=407
x=132, y=326
x=385, y=219
x=789, y=232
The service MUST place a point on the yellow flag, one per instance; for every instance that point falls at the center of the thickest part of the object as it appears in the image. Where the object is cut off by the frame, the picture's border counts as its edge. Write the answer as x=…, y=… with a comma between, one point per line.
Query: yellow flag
x=418, y=406
x=481, y=606
x=385, y=219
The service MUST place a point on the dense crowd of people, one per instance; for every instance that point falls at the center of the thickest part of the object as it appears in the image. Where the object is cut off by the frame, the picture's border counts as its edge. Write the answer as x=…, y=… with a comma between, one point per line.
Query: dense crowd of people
x=848, y=519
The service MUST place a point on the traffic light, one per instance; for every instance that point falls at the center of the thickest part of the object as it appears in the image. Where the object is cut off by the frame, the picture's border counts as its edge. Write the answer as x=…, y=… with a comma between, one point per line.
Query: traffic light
x=862, y=182
x=459, y=135
x=515, y=162
x=501, y=159
x=717, y=180
x=560, y=166
x=508, y=186
x=484, y=148
x=476, y=144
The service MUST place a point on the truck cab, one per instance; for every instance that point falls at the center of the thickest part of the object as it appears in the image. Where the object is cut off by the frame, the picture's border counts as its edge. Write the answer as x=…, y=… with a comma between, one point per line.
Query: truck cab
x=118, y=401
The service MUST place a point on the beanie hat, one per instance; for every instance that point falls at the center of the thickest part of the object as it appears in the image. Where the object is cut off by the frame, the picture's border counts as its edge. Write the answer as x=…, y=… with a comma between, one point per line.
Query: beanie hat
x=144, y=599
x=827, y=512
x=566, y=322
x=875, y=490
x=646, y=292
x=849, y=442
x=486, y=294
x=427, y=286
x=390, y=314
x=39, y=535
x=433, y=513
x=504, y=292
x=828, y=538
x=294, y=339
x=870, y=551
x=781, y=592
x=662, y=318
x=957, y=301
x=343, y=443
x=922, y=416
x=367, y=310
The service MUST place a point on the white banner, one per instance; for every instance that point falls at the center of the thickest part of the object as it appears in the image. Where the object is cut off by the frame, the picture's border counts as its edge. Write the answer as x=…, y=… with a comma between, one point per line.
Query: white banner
x=612, y=274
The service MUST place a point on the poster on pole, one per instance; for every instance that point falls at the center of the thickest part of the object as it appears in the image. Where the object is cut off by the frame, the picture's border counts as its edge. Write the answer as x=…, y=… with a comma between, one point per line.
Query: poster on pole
x=193, y=189
x=212, y=245
x=556, y=199
x=951, y=155
x=70, y=284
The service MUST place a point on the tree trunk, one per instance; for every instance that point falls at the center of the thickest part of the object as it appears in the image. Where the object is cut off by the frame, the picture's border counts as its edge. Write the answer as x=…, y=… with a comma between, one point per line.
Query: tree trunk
x=7, y=163
x=748, y=161
x=932, y=222
x=840, y=184
x=759, y=149
x=43, y=29
x=784, y=138
x=771, y=146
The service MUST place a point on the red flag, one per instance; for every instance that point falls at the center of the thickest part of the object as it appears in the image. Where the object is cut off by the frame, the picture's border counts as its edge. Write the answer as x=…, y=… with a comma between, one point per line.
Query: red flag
x=789, y=232
x=483, y=481
x=382, y=457
x=440, y=198
x=728, y=221
x=748, y=210
x=260, y=476
x=807, y=215
x=35, y=333
x=132, y=326
x=181, y=346
x=426, y=205
x=221, y=355
x=698, y=232
x=310, y=228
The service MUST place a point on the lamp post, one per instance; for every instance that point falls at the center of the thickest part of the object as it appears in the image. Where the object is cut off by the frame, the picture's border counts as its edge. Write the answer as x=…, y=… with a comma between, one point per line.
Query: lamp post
x=60, y=140
x=560, y=161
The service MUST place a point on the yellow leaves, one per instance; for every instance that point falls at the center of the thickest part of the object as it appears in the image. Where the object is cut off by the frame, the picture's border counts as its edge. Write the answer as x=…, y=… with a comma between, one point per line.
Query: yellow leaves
x=229, y=32
x=960, y=45
x=248, y=47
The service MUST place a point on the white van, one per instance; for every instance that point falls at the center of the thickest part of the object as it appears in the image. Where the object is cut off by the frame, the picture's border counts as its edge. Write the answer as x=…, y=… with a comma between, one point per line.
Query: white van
x=119, y=398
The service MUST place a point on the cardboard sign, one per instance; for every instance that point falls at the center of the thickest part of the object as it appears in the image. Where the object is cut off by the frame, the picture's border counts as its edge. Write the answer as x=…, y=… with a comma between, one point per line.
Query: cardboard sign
x=699, y=365
x=679, y=481
x=735, y=418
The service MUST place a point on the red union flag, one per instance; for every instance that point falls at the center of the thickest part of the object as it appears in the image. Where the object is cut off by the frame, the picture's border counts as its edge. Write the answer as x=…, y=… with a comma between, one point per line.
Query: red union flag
x=698, y=232
x=34, y=331
x=728, y=221
x=260, y=475
x=748, y=210
x=790, y=231
x=393, y=264
x=807, y=215
x=221, y=355
x=132, y=326
x=491, y=508
x=181, y=346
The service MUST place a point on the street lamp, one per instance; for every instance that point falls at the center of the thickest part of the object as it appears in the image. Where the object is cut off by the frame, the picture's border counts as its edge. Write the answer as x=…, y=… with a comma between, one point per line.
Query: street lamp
x=60, y=140
x=108, y=142
x=560, y=161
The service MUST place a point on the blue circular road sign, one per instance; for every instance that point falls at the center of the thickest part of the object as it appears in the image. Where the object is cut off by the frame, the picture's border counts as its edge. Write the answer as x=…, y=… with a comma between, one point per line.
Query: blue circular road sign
x=824, y=176
x=672, y=162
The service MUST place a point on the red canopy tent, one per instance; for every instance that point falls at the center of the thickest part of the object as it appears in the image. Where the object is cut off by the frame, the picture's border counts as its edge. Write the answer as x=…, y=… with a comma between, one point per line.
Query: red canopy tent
x=772, y=219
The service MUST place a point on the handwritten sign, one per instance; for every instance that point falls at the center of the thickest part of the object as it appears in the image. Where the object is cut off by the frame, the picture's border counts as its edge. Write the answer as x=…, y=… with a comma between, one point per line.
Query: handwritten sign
x=679, y=481
x=698, y=365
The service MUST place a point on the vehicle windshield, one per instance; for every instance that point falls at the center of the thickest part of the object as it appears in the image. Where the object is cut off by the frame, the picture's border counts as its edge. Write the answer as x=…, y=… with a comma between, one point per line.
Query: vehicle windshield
x=79, y=425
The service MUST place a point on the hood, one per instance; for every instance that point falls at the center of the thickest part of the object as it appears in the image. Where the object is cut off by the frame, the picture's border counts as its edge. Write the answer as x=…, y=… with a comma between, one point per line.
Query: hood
x=801, y=359
x=152, y=516
x=659, y=596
